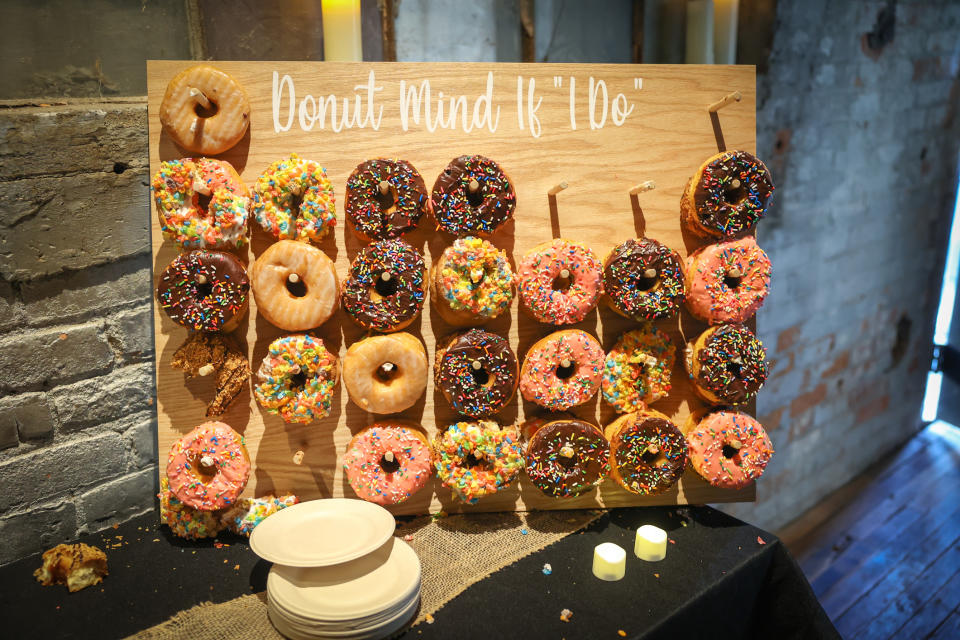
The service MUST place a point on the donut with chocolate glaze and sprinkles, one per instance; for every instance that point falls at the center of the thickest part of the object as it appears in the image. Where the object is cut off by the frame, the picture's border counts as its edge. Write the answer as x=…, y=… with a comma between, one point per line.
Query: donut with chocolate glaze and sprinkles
x=385, y=287
x=476, y=459
x=388, y=462
x=562, y=370
x=385, y=199
x=204, y=290
x=727, y=448
x=472, y=196
x=727, y=364
x=567, y=457
x=727, y=282
x=293, y=200
x=209, y=467
x=727, y=195
x=643, y=280
x=297, y=378
x=476, y=371
x=560, y=282
x=471, y=282
x=638, y=368
x=647, y=452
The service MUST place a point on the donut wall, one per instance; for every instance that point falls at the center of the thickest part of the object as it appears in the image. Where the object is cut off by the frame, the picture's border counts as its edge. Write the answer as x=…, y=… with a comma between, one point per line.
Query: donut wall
x=601, y=130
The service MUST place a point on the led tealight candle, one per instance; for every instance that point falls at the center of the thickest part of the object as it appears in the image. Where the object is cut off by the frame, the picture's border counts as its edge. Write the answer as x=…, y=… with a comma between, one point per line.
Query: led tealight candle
x=651, y=543
x=609, y=561
x=699, y=32
x=341, y=30
x=725, y=31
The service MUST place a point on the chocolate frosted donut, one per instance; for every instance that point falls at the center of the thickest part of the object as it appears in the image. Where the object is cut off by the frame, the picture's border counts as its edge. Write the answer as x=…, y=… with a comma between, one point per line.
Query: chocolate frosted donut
x=385, y=199
x=647, y=452
x=472, y=196
x=643, y=280
x=567, y=457
x=727, y=195
x=727, y=364
x=204, y=290
x=384, y=288
x=477, y=372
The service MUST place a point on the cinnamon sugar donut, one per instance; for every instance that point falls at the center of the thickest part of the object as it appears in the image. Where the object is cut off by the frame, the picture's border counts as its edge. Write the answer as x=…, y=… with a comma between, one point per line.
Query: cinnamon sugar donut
x=193, y=126
x=562, y=370
x=647, y=452
x=385, y=374
x=728, y=281
x=295, y=285
x=472, y=196
x=727, y=195
x=560, y=282
x=385, y=199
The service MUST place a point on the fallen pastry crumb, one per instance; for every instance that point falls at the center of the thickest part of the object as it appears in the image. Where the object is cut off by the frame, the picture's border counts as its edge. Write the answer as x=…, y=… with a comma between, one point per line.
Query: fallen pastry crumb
x=761, y=540
x=621, y=633
x=429, y=619
x=547, y=569
x=408, y=537
x=657, y=575
x=566, y=614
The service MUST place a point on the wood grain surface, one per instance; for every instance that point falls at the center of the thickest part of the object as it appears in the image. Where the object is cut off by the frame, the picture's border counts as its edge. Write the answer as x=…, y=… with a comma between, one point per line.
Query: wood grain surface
x=665, y=137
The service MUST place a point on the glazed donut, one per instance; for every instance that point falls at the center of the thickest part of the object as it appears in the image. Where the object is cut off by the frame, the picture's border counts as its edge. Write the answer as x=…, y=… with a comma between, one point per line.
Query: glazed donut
x=647, y=452
x=388, y=462
x=727, y=364
x=566, y=458
x=472, y=196
x=293, y=200
x=201, y=203
x=471, y=282
x=184, y=521
x=476, y=459
x=643, y=280
x=297, y=379
x=295, y=285
x=205, y=290
x=727, y=195
x=727, y=282
x=385, y=374
x=560, y=282
x=729, y=449
x=562, y=370
x=637, y=370
x=244, y=516
x=385, y=199
x=192, y=124
x=384, y=290
x=209, y=467
x=476, y=371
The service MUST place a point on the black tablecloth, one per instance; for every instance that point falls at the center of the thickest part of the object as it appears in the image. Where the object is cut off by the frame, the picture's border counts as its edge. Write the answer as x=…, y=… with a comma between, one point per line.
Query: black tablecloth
x=717, y=581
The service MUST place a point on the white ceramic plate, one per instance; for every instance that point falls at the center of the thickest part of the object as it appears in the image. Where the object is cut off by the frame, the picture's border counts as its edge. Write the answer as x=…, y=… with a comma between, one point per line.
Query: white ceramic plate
x=322, y=532
x=343, y=625
x=384, y=629
x=367, y=587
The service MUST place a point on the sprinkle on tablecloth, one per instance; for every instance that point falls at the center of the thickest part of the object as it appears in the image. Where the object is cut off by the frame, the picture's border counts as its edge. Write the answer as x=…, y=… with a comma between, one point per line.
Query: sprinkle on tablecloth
x=566, y=614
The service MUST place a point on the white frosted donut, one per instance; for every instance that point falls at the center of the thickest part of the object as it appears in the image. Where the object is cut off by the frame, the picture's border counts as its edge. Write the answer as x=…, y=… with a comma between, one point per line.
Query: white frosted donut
x=385, y=374
x=295, y=285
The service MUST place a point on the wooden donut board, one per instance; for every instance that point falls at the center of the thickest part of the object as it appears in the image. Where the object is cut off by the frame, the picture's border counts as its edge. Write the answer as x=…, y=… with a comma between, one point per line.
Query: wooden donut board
x=666, y=136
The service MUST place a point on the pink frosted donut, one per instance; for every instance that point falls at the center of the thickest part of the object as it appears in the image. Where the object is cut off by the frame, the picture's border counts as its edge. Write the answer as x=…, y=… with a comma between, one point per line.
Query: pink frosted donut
x=729, y=449
x=388, y=462
x=728, y=281
x=562, y=370
x=560, y=282
x=209, y=467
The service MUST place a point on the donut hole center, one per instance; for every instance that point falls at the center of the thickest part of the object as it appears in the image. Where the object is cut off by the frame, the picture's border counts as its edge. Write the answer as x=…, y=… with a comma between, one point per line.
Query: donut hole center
x=204, y=112
x=567, y=462
x=297, y=289
x=204, y=472
x=651, y=458
x=385, y=288
x=298, y=381
x=730, y=453
x=481, y=377
x=565, y=372
x=389, y=466
x=203, y=202
x=473, y=461
x=734, y=195
x=387, y=200
x=645, y=283
x=204, y=289
x=732, y=282
x=475, y=198
x=734, y=368
x=562, y=282
x=386, y=372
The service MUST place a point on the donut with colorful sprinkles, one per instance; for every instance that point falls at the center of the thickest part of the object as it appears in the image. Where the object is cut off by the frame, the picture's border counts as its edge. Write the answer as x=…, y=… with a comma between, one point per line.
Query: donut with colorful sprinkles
x=385, y=199
x=388, y=462
x=727, y=364
x=204, y=290
x=385, y=287
x=476, y=459
x=472, y=196
x=560, y=282
x=476, y=371
x=244, y=516
x=297, y=378
x=643, y=280
x=566, y=458
x=727, y=448
x=647, y=452
x=727, y=195
x=562, y=370
x=293, y=200
x=727, y=282
x=187, y=522
x=638, y=368
x=472, y=282
x=209, y=467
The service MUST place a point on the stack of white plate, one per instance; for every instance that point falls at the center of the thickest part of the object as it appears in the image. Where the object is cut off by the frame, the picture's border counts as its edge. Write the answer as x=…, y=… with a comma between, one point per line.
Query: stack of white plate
x=338, y=571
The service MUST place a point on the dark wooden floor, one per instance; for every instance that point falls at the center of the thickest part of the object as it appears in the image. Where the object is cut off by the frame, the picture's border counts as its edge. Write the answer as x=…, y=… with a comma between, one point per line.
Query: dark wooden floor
x=887, y=564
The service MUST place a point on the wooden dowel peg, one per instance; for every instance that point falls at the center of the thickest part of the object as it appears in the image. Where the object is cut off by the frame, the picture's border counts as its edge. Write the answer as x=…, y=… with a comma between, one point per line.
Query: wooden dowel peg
x=650, y=273
x=298, y=457
x=388, y=456
x=206, y=369
x=557, y=188
x=564, y=273
x=565, y=363
x=734, y=272
x=387, y=367
x=200, y=97
x=207, y=461
x=476, y=364
x=473, y=186
x=201, y=279
x=385, y=276
x=736, y=96
x=736, y=444
x=384, y=187
x=567, y=451
x=294, y=278
x=649, y=185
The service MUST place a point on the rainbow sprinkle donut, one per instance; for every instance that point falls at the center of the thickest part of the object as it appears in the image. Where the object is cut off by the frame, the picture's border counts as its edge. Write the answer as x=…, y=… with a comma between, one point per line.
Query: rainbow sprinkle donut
x=247, y=513
x=297, y=379
x=201, y=203
x=293, y=200
x=638, y=368
x=475, y=459
x=185, y=521
x=472, y=282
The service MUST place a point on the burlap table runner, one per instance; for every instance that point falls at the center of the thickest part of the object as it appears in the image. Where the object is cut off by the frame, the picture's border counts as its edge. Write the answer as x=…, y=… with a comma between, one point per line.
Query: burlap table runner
x=455, y=552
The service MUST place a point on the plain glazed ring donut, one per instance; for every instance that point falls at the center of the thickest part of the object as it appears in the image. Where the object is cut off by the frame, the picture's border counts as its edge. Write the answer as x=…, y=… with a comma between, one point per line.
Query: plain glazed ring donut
x=567, y=458
x=643, y=280
x=472, y=196
x=476, y=459
x=297, y=379
x=647, y=452
x=295, y=285
x=727, y=364
x=727, y=195
x=209, y=467
x=562, y=370
x=560, y=282
x=293, y=200
x=388, y=462
x=385, y=374
x=476, y=371
x=728, y=449
x=184, y=521
x=205, y=291
x=637, y=370
x=202, y=203
x=384, y=290
x=385, y=199
x=471, y=282
x=727, y=282
x=199, y=128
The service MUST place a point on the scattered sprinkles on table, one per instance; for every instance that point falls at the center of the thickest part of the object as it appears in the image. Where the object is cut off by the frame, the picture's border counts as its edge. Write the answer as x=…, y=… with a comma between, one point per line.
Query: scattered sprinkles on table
x=541, y=268
x=475, y=277
x=407, y=196
x=475, y=459
x=638, y=368
x=477, y=372
x=297, y=378
x=460, y=211
x=374, y=477
x=293, y=200
x=385, y=305
x=566, y=458
x=644, y=279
